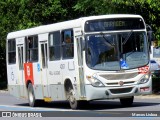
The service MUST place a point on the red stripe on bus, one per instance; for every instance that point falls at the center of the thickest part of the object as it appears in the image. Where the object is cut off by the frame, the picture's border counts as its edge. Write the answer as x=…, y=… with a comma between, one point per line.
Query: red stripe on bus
x=28, y=72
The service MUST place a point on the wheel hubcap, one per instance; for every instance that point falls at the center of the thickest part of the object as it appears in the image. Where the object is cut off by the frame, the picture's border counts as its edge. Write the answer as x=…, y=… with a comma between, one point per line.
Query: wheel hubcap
x=71, y=97
x=30, y=97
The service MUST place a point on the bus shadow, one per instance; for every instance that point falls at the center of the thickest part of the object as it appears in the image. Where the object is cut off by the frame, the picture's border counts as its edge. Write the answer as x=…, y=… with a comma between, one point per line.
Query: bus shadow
x=93, y=105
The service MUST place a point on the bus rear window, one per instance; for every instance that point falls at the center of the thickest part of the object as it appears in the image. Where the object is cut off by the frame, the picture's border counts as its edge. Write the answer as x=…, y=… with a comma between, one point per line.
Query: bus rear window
x=113, y=24
x=12, y=51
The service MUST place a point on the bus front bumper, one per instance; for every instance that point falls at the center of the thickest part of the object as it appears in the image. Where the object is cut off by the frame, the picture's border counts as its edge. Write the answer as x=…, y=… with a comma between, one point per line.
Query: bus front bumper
x=97, y=93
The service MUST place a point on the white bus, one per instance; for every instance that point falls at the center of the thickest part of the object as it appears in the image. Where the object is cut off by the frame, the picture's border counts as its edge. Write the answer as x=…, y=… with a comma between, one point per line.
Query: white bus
x=90, y=58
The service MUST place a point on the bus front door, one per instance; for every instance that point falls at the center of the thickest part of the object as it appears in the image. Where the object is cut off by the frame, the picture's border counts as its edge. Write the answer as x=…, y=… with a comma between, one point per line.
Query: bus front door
x=44, y=69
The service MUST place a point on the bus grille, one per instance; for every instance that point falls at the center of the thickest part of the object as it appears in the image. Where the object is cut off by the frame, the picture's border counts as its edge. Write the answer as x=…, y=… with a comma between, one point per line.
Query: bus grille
x=116, y=83
x=121, y=90
x=119, y=76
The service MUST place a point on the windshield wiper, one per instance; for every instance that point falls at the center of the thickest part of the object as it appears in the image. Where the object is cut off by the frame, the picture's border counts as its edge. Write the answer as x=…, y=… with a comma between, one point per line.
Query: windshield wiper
x=112, y=44
x=127, y=38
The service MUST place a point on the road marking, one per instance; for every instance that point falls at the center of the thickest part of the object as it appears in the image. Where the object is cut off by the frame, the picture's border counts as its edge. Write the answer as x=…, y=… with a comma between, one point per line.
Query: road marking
x=21, y=108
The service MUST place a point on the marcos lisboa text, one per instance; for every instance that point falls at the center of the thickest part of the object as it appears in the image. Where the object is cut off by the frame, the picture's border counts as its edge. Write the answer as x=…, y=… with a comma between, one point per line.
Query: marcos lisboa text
x=144, y=114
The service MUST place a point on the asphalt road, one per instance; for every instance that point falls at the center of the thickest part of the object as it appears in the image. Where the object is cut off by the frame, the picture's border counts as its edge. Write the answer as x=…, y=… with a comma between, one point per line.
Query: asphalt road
x=106, y=109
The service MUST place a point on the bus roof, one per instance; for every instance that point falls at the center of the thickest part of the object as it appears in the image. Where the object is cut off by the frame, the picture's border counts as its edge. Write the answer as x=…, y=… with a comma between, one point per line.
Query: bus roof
x=63, y=25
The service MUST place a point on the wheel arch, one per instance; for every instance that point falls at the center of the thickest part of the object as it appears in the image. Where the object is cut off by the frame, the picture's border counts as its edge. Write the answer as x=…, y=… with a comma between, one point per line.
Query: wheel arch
x=27, y=83
x=67, y=83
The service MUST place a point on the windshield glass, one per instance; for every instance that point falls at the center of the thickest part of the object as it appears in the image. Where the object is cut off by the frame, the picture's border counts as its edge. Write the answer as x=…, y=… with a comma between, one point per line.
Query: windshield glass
x=116, y=51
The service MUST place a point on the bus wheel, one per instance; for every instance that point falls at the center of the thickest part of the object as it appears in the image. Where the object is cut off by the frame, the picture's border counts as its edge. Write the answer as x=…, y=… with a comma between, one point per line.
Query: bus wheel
x=74, y=104
x=127, y=101
x=31, y=96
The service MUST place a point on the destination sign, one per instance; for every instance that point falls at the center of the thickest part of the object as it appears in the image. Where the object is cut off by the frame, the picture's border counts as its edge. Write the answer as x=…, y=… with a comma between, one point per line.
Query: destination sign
x=114, y=24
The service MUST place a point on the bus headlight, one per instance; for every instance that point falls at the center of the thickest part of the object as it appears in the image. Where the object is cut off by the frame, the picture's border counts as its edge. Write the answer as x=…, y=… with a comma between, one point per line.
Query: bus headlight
x=95, y=82
x=144, y=79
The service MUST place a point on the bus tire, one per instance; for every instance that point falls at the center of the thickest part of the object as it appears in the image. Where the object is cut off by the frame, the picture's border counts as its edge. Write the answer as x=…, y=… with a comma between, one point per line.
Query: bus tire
x=127, y=102
x=31, y=96
x=74, y=104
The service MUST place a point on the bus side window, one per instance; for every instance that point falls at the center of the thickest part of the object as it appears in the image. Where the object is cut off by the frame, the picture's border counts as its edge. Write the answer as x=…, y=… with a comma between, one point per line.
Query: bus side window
x=67, y=44
x=32, y=49
x=54, y=46
x=12, y=51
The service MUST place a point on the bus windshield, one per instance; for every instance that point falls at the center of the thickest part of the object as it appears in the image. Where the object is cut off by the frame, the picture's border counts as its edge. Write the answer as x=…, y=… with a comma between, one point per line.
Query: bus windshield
x=116, y=51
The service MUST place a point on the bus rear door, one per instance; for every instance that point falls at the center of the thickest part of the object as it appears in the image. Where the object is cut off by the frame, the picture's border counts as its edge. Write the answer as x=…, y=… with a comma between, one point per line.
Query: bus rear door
x=44, y=65
x=20, y=50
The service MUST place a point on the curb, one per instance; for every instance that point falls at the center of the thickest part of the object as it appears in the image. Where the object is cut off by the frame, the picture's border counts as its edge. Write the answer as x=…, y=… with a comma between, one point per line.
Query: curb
x=4, y=91
x=152, y=96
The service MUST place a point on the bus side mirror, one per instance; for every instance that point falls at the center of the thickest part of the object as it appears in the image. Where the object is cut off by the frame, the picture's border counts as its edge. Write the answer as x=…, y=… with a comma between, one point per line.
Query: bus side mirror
x=150, y=35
